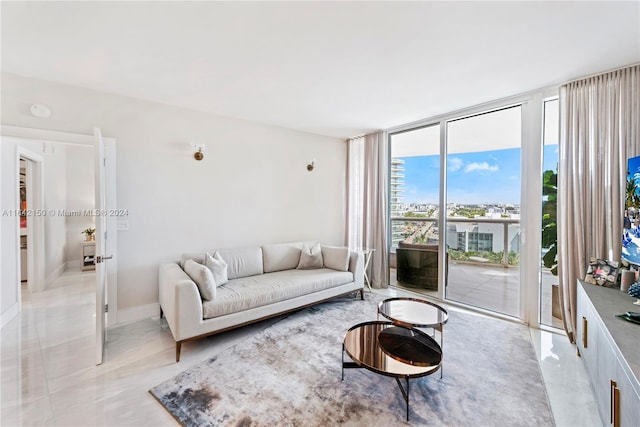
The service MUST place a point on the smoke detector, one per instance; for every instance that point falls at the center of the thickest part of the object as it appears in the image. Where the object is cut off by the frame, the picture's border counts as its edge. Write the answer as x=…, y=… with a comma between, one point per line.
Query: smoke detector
x=40, y=111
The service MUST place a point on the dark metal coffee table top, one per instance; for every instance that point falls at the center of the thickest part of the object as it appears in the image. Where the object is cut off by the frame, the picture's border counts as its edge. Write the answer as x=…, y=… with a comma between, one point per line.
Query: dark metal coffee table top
x=392, y=350
x=413, y=312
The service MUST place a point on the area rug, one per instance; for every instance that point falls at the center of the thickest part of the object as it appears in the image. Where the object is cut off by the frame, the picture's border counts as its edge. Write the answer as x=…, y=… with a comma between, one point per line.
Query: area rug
x=290, y=375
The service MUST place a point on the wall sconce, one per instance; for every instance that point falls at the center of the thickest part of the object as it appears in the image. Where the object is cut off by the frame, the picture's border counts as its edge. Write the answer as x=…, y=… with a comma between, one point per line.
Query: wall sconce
x=198, y=155
x=311, y=165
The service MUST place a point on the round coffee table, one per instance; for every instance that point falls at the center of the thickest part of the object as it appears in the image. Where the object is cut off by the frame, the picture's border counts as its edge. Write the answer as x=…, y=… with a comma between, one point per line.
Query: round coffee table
x=391, y=350
x=414, y=313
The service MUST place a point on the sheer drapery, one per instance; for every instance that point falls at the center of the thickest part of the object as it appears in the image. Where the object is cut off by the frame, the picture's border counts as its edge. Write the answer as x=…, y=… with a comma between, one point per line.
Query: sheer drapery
x=599, y=122
x=367, y=201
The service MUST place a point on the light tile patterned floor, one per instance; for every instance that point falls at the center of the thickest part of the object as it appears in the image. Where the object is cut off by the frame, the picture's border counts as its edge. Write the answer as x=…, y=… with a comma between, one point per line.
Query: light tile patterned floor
x=48, y=376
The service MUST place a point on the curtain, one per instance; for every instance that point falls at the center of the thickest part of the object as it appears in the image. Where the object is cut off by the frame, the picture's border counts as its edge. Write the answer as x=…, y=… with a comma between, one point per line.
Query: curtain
x=367, y=175
x=599, y=131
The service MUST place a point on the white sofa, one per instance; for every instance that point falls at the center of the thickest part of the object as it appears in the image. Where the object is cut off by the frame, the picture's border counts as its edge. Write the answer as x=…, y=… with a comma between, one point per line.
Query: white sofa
x=263, y=282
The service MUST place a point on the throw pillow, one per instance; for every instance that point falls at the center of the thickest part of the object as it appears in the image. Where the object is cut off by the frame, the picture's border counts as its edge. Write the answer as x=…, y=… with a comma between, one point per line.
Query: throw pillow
x=335, y=257
x=310, y=258
x=218, y=267
x=203, y=278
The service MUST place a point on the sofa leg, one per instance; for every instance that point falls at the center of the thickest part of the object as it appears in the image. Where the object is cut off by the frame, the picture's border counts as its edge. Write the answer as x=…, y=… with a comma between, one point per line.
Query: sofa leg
x=178, y=346
x=161, y=313
x=362, y=294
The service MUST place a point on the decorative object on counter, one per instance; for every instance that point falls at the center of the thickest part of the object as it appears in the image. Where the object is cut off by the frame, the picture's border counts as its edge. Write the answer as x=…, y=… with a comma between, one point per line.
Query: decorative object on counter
x=628, y=277
x=90, y=234
x=634, y=291
x=630, y=316
x=602, y=272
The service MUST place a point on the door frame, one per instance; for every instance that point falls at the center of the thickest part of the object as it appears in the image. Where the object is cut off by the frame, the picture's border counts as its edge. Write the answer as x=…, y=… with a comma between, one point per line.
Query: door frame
x=35, y=204
x=110, y=153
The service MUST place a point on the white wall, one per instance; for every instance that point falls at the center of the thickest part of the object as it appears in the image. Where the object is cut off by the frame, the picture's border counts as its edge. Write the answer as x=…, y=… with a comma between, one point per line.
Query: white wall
x=80, y=197
x=55, y=198
x=251, y=188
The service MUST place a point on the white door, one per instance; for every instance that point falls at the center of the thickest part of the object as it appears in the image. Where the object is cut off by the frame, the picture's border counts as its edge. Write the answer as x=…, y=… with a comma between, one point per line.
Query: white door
x=101, y=237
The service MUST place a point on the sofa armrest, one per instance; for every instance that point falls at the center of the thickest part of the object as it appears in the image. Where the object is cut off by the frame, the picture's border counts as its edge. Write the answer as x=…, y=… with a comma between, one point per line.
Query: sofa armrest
x=180, y=300
x=356, y=266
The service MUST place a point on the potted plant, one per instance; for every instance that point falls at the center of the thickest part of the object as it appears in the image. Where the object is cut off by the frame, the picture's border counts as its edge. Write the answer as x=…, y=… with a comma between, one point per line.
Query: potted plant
x=89, y=234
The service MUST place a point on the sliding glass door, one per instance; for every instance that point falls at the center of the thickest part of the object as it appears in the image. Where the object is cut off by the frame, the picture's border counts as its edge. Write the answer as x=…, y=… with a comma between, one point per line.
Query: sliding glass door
x=483, y=210
x=457, y=185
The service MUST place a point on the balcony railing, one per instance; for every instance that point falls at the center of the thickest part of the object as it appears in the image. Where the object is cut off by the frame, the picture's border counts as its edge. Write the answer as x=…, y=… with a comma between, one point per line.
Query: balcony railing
x=432, y=235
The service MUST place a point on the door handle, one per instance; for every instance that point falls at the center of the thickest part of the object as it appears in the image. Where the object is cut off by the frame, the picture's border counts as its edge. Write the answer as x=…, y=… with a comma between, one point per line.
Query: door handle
x=102, y=258
x=585, y=325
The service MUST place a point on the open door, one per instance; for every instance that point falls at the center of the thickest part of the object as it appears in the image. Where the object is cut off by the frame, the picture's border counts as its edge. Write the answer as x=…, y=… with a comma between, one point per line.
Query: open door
x=101, y=237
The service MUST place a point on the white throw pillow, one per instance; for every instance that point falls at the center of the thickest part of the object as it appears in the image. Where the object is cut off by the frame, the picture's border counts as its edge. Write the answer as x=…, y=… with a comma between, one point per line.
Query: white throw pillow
x=336, y=257
x=203, y=278
x=310, y=258
x=218, y=267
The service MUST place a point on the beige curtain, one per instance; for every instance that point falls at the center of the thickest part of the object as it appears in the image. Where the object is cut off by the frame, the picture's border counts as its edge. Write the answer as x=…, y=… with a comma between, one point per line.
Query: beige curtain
x=599, y=130
x=367, y=201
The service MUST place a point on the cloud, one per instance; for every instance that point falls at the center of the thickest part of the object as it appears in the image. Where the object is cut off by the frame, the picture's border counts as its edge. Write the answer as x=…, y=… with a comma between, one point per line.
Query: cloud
x=484, y=166
x=455, y=163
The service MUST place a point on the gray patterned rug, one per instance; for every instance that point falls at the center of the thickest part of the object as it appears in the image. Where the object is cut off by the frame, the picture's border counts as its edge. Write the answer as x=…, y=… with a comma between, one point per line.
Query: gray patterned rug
x=289, y=375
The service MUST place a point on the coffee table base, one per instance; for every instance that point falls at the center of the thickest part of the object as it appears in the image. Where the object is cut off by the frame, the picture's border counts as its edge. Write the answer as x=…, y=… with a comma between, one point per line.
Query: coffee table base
x=403, y=390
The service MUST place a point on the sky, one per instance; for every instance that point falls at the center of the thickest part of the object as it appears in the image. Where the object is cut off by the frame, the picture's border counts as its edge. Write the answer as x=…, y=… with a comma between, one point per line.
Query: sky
x=486, y=177
x=483, y=161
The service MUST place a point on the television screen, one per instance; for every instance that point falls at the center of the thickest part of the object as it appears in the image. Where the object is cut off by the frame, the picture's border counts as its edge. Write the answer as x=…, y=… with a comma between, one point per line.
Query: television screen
x=631, y=225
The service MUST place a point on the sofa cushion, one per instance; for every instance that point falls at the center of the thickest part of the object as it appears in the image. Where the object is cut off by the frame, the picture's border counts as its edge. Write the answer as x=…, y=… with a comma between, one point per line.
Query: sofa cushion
x=218, y=267
x=243, y=262
x=203, y=277
x=335, y=257
x=284, y=256
x=310, y=257
x=250, y=292
x=196, y=256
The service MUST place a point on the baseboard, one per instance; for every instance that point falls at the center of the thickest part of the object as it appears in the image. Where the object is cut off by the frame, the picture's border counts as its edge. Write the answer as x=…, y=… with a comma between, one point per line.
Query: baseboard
x=9, y=314
x=74, y=265
x=54, y=275
x=140, y=312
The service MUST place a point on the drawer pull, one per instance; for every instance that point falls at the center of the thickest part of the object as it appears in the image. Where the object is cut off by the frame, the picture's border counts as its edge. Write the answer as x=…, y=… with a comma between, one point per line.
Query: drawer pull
x=584, y=332
x=615, y=404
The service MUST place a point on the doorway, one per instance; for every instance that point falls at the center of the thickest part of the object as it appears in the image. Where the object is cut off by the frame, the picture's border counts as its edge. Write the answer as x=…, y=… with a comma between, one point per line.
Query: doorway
x=38, y=146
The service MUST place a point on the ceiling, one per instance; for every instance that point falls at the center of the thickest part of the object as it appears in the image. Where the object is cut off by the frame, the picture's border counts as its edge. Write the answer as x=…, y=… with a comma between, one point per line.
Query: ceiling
x=332, y=68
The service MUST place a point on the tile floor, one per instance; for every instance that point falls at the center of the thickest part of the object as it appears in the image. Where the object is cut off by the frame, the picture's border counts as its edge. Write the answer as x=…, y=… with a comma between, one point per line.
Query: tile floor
x=48, y=376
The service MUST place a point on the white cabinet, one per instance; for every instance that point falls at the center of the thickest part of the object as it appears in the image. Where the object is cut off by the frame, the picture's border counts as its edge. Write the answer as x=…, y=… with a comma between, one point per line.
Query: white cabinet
x=88, y=255
x=609, y=347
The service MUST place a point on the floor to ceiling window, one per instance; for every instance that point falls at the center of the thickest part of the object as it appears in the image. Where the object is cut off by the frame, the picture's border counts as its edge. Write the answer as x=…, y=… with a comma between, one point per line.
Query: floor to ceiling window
x=483, y=210
x=414, y=193
x=456, y=191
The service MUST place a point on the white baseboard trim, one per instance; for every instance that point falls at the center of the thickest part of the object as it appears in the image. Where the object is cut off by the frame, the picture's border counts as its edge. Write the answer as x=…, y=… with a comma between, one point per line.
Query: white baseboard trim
x=55, y=274
x=74, y=265
x=9, y=314
x=140, y=312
